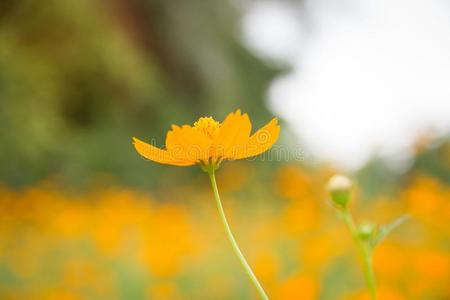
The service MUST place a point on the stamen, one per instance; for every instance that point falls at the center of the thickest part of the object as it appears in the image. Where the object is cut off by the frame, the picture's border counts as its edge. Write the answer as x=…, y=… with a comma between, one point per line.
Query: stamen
x=208, y=126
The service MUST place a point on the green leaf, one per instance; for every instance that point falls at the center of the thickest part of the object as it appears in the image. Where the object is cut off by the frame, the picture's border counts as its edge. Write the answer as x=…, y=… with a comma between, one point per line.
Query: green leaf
x=386, y=229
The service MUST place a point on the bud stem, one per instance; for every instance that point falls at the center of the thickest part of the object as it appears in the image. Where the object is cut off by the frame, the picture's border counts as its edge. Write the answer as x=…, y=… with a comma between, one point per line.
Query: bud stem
x=365, y=252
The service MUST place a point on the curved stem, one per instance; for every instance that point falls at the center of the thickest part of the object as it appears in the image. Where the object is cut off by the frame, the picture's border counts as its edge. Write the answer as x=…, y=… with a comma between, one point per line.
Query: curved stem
x=230, y=236
x=365, y=253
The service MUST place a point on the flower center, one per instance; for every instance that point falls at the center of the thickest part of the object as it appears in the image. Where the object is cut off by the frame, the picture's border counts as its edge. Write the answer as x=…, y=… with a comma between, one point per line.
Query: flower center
x=208, y=126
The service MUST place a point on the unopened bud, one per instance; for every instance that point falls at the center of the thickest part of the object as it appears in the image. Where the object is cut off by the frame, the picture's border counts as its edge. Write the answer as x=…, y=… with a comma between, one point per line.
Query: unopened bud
x=366, y=230
x=339, y=187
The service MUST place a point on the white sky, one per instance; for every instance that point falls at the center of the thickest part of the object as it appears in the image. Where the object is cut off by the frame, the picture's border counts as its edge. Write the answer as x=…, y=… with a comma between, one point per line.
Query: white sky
x=367, y=74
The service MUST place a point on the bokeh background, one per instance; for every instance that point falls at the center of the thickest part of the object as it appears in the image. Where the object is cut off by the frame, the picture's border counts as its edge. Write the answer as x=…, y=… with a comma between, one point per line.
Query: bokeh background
x=360, y=87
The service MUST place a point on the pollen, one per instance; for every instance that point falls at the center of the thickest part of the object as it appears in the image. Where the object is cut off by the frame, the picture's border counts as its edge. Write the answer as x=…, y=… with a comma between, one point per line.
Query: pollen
x=208, y=126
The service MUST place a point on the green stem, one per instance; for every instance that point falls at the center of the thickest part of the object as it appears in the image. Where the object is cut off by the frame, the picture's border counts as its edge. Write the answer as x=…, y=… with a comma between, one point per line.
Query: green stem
x=364, y=251
x=230, y=236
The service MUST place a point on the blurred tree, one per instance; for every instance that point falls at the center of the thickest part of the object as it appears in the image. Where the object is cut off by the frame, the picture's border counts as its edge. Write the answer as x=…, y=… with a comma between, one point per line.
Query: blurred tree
x=79, y=78
x=376, y=178
x=431, y=157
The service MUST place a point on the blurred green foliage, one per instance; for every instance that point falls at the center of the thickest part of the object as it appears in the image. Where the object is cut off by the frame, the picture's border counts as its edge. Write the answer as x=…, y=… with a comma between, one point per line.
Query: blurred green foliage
x=79, y=78
x=431, y=157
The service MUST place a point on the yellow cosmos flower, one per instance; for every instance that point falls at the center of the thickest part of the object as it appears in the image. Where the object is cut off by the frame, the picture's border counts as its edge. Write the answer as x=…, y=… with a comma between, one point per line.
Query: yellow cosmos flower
x=208, y=142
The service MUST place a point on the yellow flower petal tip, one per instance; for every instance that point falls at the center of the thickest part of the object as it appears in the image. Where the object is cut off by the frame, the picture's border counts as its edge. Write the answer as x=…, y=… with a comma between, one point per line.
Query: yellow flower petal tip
x=208, y=142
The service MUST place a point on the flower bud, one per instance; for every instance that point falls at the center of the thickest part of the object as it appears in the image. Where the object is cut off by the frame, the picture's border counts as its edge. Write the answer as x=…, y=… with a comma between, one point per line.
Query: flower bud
x=339, y=187
x=366, y=231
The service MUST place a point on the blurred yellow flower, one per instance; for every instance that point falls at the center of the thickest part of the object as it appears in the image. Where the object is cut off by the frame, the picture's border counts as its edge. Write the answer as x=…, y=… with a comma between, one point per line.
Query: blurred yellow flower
x=433, y=265
x=164, y=291
x=298, y=287
x=208, y=142
x=391, y=261
x=384, y=293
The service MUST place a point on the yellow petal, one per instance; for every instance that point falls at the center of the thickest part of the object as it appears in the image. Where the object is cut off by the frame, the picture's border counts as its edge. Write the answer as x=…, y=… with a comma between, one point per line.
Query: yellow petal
x=187, y=143
x=233, y=134
x=158, y=155
x=259, y=142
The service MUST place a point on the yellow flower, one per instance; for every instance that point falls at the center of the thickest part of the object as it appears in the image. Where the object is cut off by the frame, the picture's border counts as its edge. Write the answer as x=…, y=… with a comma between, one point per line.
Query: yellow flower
x=208, y=142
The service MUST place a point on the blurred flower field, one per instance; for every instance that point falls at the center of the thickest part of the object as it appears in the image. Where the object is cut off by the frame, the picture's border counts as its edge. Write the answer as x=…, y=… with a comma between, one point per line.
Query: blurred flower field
x=112, y=242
